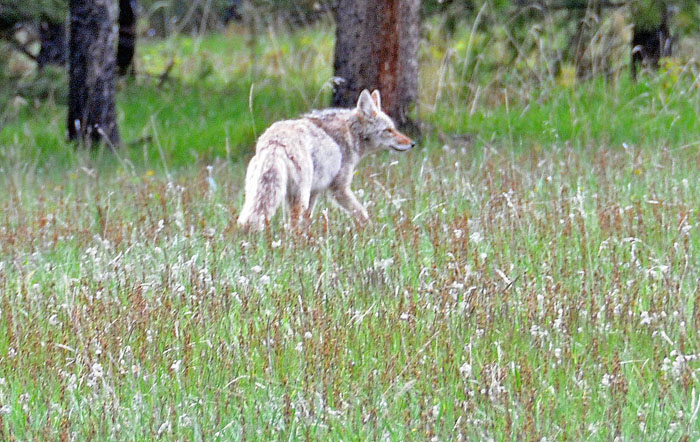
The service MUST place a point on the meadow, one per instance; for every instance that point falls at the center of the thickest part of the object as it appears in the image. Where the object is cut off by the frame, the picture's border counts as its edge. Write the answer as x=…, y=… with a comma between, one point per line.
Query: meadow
x=530, y=272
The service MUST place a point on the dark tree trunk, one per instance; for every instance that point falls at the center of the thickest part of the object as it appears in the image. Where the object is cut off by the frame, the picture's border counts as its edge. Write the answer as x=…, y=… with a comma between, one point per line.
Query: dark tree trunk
x=127, y=35
x=233, y=12
x=91, y=98
x=54, y=47
x=377, y=48
x=649, y=45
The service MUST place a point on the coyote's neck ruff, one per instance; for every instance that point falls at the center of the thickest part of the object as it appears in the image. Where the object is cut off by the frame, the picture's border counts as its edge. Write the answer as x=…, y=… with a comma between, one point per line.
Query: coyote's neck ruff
x=297, y=159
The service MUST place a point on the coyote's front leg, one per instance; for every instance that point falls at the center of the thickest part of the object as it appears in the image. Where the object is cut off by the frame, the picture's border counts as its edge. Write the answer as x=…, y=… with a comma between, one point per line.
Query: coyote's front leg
x=344, y=196
x=342, y=193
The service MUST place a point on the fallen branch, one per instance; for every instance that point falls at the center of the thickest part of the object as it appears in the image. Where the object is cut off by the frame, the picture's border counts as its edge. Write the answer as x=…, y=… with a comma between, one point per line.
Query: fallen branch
x=166, y=73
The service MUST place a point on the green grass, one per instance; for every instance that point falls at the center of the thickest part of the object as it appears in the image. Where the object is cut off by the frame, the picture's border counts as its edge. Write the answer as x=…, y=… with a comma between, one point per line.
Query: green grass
x=594, y=113
x=535, y=279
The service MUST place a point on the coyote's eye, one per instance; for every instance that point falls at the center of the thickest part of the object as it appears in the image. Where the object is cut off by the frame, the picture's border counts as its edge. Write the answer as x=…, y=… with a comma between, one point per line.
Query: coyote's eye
x=387, y=130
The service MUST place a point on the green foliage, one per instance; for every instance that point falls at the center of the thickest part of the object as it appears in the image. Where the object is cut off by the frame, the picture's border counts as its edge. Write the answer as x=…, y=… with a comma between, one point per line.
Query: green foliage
x=166, y=17
x=648, y=14
x=683, y=17
x=23, y=10
x=172, y=16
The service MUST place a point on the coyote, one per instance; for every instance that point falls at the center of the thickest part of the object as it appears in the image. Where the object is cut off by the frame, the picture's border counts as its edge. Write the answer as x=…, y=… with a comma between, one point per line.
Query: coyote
x=298, y=159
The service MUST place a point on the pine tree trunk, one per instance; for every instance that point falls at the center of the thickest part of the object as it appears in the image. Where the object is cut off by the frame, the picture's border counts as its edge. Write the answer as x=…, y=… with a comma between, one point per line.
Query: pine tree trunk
x=54, y=47
x=377, y=48
x=127, y=35
x=91, y=98
x=650, y=43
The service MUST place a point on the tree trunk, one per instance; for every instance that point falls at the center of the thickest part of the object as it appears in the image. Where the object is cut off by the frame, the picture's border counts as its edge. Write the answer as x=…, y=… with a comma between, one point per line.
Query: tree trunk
x=54, y=48
x=91, y=98
x=233, y=12
x=127, y=35
x=377, y=48
x=651, y=41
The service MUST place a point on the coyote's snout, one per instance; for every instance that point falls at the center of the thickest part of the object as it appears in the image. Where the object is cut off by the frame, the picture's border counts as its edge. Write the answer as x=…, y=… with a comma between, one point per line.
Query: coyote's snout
x=297, y=159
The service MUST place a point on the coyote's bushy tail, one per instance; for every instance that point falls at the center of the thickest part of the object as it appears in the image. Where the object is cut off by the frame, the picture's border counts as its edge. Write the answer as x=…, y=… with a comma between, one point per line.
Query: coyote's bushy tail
x=265, y=189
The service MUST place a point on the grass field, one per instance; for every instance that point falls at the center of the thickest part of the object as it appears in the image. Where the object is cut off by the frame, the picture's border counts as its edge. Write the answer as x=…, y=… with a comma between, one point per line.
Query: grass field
x=531, y=271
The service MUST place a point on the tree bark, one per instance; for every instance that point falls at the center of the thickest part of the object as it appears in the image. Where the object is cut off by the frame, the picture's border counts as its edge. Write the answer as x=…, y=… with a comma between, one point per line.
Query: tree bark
x=54, y=47
x=377, y=48
x=651, y=41
x=127, y=35
x=91, y=97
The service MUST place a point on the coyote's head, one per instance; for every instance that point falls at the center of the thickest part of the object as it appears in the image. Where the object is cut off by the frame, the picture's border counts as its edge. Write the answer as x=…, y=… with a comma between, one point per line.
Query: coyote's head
x=378, y=131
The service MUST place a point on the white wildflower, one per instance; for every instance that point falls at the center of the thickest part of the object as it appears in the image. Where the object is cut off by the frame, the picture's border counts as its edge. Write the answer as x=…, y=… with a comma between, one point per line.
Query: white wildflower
x=53, y=320
x=538, y=332
x=97, y=370
x=72, y=383
x=607, y=380
x=383, y=263
x=185, y=421
x=679, y=365
x=165, y=426
x=465, y=370
x=476, y=237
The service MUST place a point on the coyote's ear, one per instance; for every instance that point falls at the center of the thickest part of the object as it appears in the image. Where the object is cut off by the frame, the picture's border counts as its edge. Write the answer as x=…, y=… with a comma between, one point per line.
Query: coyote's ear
x=377, y=99
x=365, y=105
